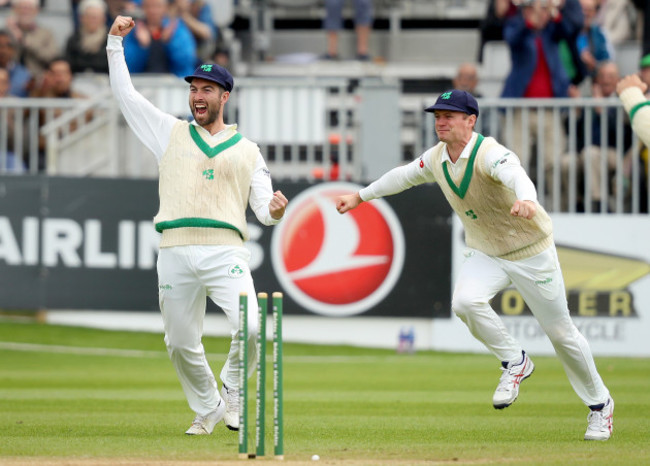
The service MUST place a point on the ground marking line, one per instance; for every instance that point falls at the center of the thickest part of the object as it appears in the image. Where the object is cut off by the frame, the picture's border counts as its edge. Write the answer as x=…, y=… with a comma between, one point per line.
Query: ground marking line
x=130, y=353
x=38, y=348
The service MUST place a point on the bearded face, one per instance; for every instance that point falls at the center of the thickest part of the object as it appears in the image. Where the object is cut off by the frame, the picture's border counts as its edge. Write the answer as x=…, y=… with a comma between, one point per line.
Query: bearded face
x=205, y=101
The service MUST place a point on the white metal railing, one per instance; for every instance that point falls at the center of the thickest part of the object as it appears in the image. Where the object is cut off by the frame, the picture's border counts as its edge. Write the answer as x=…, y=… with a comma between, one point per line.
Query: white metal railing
x=299, y=123
x=80, y=131
x=20, y=123
x=326, y=125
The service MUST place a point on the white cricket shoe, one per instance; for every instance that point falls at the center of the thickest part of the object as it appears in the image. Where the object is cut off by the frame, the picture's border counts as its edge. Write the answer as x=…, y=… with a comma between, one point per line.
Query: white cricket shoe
x=508, y=388
x=231, y=417
x=601, y=423
x=204, y=425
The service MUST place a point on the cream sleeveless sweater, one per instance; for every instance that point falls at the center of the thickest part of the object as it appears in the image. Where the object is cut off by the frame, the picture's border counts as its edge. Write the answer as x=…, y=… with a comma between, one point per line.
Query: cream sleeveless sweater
x=483, y=205
x=204, y=190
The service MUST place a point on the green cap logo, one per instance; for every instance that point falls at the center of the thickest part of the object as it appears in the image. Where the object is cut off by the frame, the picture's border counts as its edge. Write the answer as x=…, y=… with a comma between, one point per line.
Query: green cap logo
x=206, y=68
x=446, y=95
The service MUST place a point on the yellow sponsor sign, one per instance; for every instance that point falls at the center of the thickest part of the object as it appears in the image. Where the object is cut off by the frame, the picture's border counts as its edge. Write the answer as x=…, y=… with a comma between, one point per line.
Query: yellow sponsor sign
x=596, y=285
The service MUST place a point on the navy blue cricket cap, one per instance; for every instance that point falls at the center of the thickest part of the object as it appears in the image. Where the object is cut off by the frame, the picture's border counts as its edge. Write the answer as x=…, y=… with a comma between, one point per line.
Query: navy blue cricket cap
x=215, y=73
x=456, y=101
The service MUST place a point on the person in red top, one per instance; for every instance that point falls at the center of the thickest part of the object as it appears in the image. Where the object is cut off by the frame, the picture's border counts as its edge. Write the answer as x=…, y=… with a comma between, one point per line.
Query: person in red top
x=533, y=36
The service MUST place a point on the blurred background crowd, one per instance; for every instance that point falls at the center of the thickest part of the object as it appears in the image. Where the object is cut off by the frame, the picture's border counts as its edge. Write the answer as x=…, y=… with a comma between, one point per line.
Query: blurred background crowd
x=510, y=49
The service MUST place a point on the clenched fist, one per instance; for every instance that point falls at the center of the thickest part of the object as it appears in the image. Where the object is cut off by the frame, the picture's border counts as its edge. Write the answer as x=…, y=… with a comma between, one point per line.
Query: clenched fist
x=121, y=26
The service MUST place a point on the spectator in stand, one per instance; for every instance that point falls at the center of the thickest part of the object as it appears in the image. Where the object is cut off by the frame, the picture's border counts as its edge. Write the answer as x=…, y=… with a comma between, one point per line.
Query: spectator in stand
x=593, y=45
x=11, y=165
x=197, y=16
x=56, y=84
x=120, y=7
x=86, y=48
x=491, y=26
x=160, y=44
x=37, y=45
x=20, y=78
x=466, y=79
x=533, y=36
x=590, y=151
x=619, y=19
x=363, y=16
x=5, y=82
x=57, y=81
x=221, y=56
x=644, y=25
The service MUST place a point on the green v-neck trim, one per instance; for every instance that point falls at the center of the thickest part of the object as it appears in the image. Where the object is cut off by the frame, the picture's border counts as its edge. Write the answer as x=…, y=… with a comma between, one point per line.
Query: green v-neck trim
x=213, y=151
x=469, y=170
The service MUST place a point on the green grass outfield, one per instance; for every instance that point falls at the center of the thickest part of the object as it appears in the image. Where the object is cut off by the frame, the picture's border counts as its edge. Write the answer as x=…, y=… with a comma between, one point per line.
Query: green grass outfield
x=84, y=396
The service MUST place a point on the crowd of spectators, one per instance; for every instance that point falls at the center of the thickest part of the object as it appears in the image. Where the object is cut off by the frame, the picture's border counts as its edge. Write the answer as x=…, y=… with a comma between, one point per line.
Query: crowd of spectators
x=558, y=48
x=171, y=36
x=565, y=48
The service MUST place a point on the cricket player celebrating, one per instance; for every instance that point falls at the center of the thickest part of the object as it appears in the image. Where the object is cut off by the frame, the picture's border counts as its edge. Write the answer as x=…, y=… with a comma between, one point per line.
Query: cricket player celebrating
x=510, y=241
x=208, y=175
x=631, y=91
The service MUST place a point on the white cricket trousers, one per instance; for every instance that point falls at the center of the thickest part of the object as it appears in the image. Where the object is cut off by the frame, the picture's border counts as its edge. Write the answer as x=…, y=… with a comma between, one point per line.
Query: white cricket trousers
x=539, y=281
x=186, y=276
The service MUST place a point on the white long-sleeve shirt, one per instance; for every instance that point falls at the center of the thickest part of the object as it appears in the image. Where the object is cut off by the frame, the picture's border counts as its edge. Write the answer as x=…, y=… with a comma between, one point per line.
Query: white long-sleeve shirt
x=154, y=127
x=502, y=165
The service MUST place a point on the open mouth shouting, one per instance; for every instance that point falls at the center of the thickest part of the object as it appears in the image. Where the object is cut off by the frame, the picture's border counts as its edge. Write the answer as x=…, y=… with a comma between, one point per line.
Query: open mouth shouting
x=200, y=109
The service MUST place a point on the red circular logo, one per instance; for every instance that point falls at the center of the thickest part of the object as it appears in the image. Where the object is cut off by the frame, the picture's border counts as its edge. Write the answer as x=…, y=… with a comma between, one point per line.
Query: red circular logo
x=337, y=264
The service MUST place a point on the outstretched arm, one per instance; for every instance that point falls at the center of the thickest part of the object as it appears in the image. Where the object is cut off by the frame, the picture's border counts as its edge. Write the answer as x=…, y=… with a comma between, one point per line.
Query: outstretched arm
x=150, y=124
x=395, y=181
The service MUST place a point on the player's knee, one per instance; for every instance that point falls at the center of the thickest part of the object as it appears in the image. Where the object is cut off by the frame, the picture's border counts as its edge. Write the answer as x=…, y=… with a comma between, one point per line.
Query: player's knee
x=464, y=305
x=179, y=352
x=560, y=337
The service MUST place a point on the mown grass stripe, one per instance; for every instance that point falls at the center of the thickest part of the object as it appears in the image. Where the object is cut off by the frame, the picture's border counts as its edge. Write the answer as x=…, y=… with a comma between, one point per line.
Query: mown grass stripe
x=131, y=353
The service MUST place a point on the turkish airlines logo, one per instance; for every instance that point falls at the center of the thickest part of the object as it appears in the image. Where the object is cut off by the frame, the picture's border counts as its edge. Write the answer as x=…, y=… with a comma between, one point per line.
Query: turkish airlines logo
x=335, y=264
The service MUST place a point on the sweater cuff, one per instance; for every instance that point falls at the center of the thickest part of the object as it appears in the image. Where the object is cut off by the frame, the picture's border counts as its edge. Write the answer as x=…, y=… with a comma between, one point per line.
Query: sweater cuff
x=632, y=96
x=366, y=194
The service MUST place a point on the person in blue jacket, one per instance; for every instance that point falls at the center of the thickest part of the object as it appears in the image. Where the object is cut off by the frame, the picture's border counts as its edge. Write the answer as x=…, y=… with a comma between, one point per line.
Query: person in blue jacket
x=160, y=44
x=533, y=36
x=593, y=45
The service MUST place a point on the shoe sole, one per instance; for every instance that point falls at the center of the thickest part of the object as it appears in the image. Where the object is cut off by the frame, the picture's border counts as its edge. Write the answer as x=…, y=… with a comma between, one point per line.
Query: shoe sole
x=508, y=404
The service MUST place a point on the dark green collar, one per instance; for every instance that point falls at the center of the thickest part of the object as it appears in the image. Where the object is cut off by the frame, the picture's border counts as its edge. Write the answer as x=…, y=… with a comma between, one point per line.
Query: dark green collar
x=469, y=170
x=213, y=151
